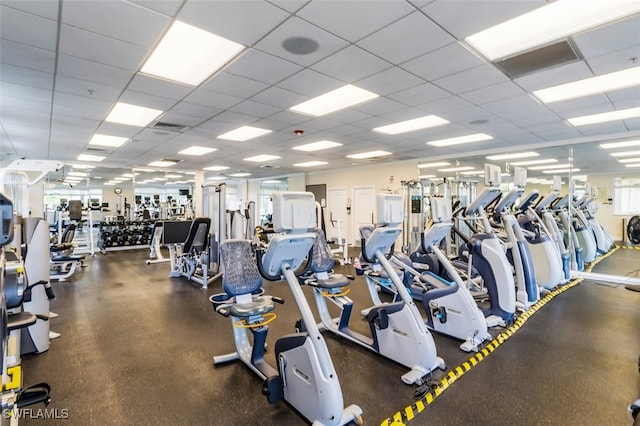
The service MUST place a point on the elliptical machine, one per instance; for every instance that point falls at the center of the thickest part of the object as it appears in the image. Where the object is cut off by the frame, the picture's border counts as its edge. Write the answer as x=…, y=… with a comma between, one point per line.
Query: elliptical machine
x=451, y=309
x=398, y=331
x=305, y=376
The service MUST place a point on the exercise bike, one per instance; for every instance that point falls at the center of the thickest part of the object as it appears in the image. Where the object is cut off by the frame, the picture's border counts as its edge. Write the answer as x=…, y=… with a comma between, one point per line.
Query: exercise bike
x=305, y=376
x=397, y=329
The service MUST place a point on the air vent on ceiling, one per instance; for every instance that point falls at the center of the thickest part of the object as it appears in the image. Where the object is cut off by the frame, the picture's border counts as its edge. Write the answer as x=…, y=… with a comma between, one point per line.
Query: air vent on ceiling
x=560, y=53
x=169, y=126
x=100, y=150
x=269, y=166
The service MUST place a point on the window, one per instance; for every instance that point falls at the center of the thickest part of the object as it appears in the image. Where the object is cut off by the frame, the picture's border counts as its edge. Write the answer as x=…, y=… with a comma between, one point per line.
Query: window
x=626, y=196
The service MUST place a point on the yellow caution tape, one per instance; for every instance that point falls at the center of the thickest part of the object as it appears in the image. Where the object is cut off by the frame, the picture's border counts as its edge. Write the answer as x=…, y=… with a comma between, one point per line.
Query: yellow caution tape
x=411, y=411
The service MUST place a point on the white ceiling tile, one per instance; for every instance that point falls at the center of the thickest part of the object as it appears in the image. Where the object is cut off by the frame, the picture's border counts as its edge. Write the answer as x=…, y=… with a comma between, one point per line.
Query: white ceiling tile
x=614, y=127
x=44, y=8
x=310, y=83
x=417, y=34
x=465, y=17
x=146, y=100
x=627, y=98
x=279, y=97
x=472, y=79
x=615, y=61
x=350, y=115
x=244, y=22
x=26, y=77
x=119, y=20
x=235, y=118
x=98, y=48
x=262, y=67
x=24, y=92
x=234, y=85
x=159, y=87
x=618, y=36
x=212, y=99
x=255, y=109
x=27, y=29
x=93, y=71
x=389, y=81
x=385, y=106
x=567, y=107
x=175, y=117
x=294, y=27
x=25, y=56
x=166, y=7
x=80, y=106
x=554, y=76
x=442, y=106
x=356, y=19
x=492, y=93
x=514, y=103
x=198, y=113
x=290, y=117
x=13, y=107
x=289, y=5
x=80, y=87
x=450, y=59
x=351, y=64
x=419, y=95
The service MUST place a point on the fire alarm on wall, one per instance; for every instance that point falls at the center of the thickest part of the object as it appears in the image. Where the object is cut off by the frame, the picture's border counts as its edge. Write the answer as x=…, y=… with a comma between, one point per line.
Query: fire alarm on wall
x=299, y=132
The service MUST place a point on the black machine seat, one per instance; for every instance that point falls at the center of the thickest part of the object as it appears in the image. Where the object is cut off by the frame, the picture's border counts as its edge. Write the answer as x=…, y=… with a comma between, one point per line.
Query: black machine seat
x=65, y=258
x=322, y=263
x=197, y=240
x=20, y=320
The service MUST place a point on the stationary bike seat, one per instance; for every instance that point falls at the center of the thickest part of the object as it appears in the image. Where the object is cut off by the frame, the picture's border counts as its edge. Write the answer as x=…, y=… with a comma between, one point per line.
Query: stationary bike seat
x=258, y=306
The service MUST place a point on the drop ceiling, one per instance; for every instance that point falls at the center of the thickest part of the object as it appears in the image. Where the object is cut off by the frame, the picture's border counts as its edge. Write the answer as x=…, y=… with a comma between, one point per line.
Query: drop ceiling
x=64, y=65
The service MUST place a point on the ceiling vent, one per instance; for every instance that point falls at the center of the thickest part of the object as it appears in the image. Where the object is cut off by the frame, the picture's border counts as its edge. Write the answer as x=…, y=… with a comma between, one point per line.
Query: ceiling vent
x=98, y=150
x=161, y=125
x=553, y=55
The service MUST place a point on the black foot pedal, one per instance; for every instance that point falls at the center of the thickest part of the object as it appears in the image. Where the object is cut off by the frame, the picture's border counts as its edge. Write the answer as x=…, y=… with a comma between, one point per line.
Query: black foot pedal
x=272, y=389
x=34, y=395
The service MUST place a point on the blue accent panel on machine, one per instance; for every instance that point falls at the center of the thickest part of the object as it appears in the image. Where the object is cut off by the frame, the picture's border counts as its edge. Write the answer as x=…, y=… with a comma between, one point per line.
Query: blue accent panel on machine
x=579, y=260
x=529, y=272
x=486, y=271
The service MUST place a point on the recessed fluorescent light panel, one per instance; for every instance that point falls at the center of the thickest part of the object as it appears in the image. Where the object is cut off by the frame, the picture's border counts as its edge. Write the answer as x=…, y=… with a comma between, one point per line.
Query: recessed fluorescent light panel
x=548, y=23
x=554, y=166
x=242, y=174
x=629, y=160
x=216, y=178
x=370, y=154
x=132, y=115
x=89, y=157
x=527, y=154
x=72, y=173
x=625, y=153
x=532, y=162
x=426, y=176
x=472, y=172
x=590, y=86
x=605, y=117
x=476, y=137
x=632, y=165
x=82, y=166
x=189, y=55
x=106, y=140
x=311, y=164
x=262, y=158
x=457, y=169
x=196, y=150
x=215, y=168
x=244, y=133
x=335, y=100
x=317, y=146
x=161, y=163
x=432, y=165
x=560, y=171
x=624, y=144
x=412, y=125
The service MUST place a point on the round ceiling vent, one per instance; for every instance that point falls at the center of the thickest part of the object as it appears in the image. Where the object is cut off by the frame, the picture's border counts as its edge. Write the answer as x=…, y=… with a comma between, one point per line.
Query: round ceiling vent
x=300, y=45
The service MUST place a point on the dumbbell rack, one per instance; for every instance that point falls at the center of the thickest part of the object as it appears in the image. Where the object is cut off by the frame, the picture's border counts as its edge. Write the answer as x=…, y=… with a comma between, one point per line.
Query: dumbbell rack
x=125, y=235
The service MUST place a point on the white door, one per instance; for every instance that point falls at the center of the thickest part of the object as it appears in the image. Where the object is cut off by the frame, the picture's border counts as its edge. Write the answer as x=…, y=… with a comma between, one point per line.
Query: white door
x=362, y=208
x=336, y=214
